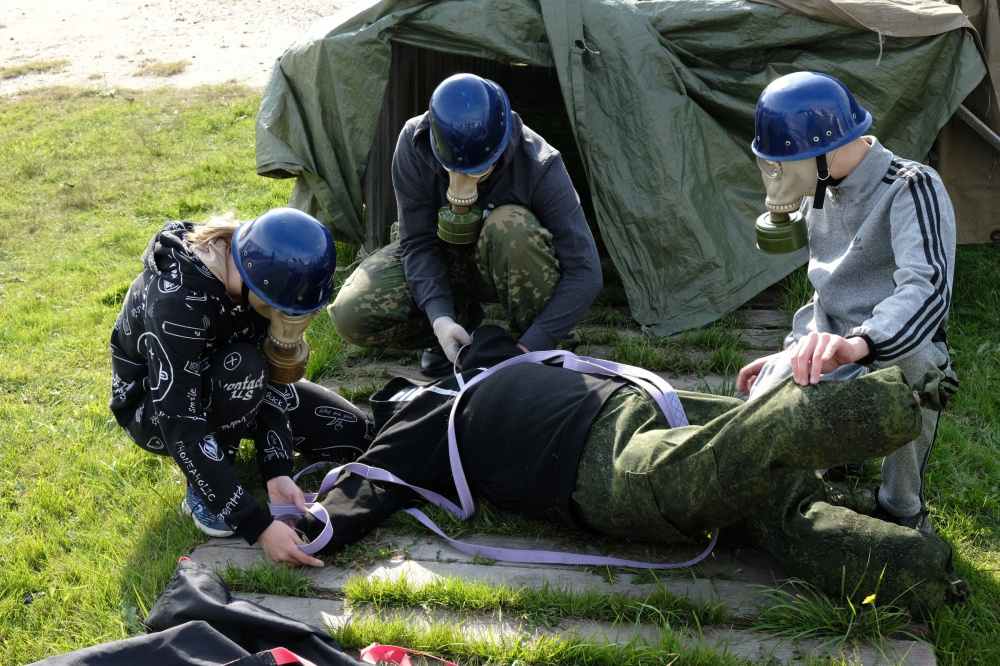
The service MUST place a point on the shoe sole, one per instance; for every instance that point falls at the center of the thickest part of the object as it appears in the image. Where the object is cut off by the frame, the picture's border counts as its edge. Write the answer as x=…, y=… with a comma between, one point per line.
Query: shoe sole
x=218, y=534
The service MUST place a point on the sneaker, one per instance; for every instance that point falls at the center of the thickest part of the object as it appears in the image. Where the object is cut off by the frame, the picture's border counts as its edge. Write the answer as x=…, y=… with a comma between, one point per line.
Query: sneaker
x=206, y=521
x=919, y=521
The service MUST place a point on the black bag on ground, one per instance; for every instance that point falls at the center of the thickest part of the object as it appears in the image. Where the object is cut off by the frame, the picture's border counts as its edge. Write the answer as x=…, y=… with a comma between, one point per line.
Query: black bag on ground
x=196, y=622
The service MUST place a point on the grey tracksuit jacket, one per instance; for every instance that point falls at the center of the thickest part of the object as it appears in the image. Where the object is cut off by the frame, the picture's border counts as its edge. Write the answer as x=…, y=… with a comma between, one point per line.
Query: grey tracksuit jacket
x=881, y=258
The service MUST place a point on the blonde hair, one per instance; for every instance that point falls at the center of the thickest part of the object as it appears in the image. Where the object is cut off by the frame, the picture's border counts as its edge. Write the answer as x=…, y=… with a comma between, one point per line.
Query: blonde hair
x=214, y=228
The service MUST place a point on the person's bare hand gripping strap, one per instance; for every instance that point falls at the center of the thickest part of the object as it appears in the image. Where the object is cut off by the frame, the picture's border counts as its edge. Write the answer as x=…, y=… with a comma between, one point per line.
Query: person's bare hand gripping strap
x=279, y=541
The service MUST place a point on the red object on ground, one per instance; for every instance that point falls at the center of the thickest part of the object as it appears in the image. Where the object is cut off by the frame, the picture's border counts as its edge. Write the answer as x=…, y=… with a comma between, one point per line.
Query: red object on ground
x=390, y=654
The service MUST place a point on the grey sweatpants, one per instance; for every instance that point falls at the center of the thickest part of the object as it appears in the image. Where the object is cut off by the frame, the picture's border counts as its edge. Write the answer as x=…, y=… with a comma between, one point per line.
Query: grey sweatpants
x=902, y=491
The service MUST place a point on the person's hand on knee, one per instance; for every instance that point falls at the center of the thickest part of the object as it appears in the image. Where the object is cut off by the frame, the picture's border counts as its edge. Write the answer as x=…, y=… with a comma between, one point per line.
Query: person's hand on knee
x=819, y=353
x=451, y=336
x=281, y=544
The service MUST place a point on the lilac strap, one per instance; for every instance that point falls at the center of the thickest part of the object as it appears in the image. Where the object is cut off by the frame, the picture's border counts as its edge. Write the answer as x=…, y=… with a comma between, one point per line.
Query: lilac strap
x=656, y=386
x=664, y=395
x=555, y=557
x=282, y=511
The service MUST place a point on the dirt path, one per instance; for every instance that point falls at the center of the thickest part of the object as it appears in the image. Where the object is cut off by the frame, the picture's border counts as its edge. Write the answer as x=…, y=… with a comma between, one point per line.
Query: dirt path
x=106, y=43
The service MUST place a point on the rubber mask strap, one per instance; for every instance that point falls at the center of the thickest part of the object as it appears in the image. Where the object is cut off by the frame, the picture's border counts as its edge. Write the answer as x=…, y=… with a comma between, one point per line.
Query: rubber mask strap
x=823, y=179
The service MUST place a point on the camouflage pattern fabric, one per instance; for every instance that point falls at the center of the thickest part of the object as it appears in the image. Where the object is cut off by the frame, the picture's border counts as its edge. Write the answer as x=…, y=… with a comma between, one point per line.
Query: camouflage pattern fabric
x=902, y=490
x=640, y=479
x=513, y=263
x=844, y=553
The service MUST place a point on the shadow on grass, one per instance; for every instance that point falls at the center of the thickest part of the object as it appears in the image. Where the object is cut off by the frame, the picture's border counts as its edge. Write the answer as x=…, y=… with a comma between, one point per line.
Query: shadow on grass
x=167, y=538
x=966, y=633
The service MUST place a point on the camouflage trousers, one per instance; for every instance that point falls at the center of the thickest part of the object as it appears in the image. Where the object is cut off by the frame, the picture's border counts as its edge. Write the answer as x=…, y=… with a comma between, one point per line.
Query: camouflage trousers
x=512, y=263
x=902, y=490
x=751, y=464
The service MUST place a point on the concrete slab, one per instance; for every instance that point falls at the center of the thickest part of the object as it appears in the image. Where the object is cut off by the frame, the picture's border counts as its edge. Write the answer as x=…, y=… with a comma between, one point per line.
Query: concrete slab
x=763, y=340
x=382, y=371
x=765, y=319
x=731, y=578
x=750, y=645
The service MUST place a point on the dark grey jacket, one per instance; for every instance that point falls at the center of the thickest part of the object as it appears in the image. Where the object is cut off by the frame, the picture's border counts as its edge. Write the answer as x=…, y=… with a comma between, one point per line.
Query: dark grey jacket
x=531, y=174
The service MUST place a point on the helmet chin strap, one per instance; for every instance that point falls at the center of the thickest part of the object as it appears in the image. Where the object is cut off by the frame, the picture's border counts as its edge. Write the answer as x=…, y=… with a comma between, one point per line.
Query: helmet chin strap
x=823, y=179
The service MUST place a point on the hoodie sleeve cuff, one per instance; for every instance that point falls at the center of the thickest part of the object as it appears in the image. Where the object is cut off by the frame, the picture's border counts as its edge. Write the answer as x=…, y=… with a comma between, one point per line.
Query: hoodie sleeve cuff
x=859, y=333
x=535, y=339
x=252, y=526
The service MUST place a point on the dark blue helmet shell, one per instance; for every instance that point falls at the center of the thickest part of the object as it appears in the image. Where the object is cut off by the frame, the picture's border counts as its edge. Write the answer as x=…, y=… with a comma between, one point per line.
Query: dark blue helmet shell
x=287, y=258
x=806, y=114
x=470, y=123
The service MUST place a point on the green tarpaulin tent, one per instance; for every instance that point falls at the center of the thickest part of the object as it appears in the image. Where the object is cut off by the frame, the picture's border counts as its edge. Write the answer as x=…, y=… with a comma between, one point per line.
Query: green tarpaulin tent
x=660, y=96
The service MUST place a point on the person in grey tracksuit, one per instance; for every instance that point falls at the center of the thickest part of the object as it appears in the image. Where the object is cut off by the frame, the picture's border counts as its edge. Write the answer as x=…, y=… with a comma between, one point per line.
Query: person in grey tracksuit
x=881, y=260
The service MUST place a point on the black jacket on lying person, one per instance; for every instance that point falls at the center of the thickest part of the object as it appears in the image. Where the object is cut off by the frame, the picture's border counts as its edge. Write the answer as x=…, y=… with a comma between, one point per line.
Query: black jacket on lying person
x=526, y=464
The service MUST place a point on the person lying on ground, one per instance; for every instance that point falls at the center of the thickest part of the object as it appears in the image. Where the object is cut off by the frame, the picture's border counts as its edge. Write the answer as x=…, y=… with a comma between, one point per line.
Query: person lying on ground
x=208, y=348
x=596, y=453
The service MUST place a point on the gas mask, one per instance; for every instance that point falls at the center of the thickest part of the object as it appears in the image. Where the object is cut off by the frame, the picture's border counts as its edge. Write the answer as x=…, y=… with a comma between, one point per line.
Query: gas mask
x=284, y=348
x=460, y=222
x=783, y=229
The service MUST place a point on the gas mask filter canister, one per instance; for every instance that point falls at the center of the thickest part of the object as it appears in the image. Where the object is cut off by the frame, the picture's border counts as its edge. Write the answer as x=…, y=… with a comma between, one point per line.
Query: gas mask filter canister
x=460, y=222
x=285, y=350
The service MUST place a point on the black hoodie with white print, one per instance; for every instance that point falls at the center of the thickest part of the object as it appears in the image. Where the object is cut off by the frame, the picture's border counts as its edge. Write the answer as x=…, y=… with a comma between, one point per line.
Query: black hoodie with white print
x=175, y=316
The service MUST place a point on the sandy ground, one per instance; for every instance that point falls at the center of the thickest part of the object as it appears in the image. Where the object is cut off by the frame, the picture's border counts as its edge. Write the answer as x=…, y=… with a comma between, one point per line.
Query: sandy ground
x=107, y=42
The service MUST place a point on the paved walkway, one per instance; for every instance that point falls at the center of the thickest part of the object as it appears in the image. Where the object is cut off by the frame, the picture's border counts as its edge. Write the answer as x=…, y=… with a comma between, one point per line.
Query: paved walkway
x=732, y=578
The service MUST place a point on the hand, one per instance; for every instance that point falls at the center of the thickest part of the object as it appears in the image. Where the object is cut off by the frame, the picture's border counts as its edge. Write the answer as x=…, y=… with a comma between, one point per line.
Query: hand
x=820, y=353
x=523, y=348
x=749, y=372
x=282, y=490
x=451, y=336
x=281, y=543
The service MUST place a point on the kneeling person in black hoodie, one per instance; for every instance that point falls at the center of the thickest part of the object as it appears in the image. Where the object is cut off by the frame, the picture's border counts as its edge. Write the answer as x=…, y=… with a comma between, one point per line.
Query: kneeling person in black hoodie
x=208, y=348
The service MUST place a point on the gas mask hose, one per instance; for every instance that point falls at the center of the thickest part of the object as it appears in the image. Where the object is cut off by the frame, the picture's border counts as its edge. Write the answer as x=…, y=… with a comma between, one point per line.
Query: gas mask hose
x=287, y=353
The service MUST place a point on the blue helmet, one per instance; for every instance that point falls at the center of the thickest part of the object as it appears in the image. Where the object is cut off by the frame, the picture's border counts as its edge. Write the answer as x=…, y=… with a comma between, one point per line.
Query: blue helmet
x=804, y=115
x=470, y=123
x=287, y=258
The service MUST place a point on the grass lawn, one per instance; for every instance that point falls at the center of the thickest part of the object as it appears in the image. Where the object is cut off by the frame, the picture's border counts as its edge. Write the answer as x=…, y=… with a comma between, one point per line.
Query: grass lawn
x=90, y=526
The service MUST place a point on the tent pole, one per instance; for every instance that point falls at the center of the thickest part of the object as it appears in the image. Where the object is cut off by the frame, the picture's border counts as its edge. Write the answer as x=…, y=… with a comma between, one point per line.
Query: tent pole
x=979, y=126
